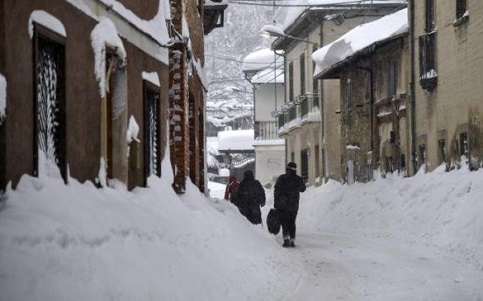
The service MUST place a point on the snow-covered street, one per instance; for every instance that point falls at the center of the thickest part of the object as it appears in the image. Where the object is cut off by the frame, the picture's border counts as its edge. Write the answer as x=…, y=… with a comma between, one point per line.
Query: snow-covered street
x=396, y=238
x=363, y=248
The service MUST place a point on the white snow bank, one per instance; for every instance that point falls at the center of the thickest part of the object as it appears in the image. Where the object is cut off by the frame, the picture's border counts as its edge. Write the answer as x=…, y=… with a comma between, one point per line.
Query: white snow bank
x=359, y=38
x=440, y=210
x=76, y=242
x=418, y=238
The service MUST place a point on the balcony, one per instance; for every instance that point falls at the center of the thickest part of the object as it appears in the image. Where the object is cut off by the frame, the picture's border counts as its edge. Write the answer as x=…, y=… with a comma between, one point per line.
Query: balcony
x=299, y=113
x=266, y=130
x=428, y=78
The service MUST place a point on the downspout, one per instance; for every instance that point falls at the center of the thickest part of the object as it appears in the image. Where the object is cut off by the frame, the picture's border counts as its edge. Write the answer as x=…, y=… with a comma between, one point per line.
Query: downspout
x=412, y=97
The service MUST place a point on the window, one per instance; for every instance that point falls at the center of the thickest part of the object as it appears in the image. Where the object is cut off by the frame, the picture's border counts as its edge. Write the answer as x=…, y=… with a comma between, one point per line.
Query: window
x=427, y=61
x=392, y=84
x=348, y=93
x=460, y=8
x=49, y=123
x=429, y=16
x=290, y=82
x=302, y=74
x=152, y=159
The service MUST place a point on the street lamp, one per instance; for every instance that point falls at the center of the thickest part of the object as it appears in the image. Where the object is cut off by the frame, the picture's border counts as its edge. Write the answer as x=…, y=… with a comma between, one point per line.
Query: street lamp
x=270, y=31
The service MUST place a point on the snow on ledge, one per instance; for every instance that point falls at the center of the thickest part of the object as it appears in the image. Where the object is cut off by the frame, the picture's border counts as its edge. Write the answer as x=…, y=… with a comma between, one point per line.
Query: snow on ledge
x=151, y=77
x=47, y=20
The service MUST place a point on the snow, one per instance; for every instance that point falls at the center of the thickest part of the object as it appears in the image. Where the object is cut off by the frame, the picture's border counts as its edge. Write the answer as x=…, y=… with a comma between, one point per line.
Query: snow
x=236, y=140
x=151, y=77
x=359, y=38
x=155, y=27
x=3, y=97
x=216, y=3
x=105, y=34
x=396, y=238
x=258, y=60
x=132, y=130
x=47, y=20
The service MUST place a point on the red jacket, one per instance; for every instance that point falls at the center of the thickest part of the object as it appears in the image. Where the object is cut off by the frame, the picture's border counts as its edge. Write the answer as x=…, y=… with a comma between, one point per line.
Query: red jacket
x=231, y=187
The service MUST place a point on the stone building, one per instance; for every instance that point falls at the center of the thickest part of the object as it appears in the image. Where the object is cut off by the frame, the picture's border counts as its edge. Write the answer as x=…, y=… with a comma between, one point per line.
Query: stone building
x=374, y=79
x=308, y=120
x=446, y=57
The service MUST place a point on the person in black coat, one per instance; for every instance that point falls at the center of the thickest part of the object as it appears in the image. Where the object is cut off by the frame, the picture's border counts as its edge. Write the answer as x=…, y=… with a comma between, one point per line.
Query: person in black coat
x=250, y=197
x=286, y=201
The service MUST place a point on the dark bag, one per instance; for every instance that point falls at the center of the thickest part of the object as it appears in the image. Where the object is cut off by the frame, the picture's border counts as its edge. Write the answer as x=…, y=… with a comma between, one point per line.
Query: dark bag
x=273, y=221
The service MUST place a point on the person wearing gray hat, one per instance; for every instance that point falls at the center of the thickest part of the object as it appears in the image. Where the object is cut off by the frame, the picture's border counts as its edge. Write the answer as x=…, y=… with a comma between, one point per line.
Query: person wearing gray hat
x=286, y=201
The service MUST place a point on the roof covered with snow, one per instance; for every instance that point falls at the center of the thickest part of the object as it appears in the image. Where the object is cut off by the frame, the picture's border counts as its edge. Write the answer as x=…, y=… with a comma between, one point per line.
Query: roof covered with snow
x=241, y=140
x=265, y=65
x=286, y=15
x=360, y=38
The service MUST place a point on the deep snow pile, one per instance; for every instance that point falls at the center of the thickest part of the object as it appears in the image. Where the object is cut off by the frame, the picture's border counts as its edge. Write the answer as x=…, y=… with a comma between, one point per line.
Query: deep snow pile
x=77, y=242
x=440, y=210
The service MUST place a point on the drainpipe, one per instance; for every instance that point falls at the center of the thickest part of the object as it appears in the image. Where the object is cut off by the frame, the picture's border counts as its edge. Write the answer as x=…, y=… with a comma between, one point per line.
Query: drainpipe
x=412, y=96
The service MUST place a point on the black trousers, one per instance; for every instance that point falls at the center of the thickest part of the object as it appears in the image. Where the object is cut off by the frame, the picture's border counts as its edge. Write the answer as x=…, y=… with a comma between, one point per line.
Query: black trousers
x=287, y=221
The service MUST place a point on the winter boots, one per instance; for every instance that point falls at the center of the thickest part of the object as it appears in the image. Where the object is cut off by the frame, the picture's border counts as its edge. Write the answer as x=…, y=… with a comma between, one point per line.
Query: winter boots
x=288, y=243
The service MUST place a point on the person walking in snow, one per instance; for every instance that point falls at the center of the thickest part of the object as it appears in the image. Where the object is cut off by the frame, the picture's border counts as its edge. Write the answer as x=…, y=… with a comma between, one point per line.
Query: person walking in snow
x=231, y=188
x=286, y=201
x=250, y=197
